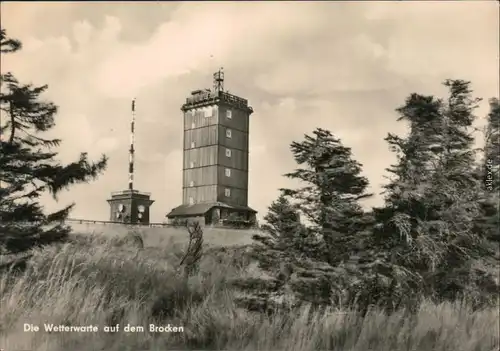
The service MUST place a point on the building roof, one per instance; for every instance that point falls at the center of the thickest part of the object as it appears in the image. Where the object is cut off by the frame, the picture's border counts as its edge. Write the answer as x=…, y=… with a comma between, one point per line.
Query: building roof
x=129, y=194
x=201, y=98
x=201, y=209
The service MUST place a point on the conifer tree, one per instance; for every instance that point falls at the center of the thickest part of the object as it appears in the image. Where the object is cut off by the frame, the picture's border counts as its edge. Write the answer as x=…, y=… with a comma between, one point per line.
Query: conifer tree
x=304, y=261
x=333, y=188
x=432, y=201
x=28, y=165
x=488, y=220
x=283, y=239
x=283, y=233
x=492, y=145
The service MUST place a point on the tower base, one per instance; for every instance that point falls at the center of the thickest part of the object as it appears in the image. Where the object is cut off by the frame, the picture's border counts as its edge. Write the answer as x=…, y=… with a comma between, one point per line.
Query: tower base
x=217, y=213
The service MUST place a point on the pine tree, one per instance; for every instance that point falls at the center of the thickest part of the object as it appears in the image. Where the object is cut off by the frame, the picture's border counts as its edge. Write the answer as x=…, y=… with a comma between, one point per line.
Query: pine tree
x=28, y=165
x=334, y=187
x=329, y=200
x=283, y=233
x=492, y=146
x=282, y=240
x=488, y=221
x=305, y=261
x=428, y=219
x=489, y=173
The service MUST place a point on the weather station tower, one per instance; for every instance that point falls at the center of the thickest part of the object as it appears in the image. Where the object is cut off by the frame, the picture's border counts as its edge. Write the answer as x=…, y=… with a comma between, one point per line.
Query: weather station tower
x=130, y=206
x=215, y=156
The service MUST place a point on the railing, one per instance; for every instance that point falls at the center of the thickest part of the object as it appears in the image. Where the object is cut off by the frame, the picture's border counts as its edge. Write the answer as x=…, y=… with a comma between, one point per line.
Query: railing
x=151, y=225
x=200, y=97
x=233, y=99
x=90, y=221
x=209, y=96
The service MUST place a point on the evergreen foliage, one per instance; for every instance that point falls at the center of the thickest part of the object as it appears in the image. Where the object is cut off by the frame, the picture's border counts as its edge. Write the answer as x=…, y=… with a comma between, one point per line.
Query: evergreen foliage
x=306, y=262
x=284, y=231
x=29, y=165
x=488, y=221
x=434, y=237
x=333, y=187
x=433, y=199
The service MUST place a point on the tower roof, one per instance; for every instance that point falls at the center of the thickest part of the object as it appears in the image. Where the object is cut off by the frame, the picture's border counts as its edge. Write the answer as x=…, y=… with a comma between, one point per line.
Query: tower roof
x=202, y=208
x=200, y=98
x=127, y=194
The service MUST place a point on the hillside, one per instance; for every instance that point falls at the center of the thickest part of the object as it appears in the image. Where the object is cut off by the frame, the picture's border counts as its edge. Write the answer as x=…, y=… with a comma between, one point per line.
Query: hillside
x=166, y=236
x=93, y=282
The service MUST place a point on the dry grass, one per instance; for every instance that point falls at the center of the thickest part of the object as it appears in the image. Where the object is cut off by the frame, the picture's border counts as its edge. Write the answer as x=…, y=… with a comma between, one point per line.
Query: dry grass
x=168, y=236
x=97, y=281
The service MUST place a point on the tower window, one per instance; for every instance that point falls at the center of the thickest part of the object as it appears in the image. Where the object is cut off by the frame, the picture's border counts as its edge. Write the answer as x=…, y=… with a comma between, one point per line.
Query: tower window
x=228, y=133
x=227, y=192
x=191, y=184
x=193, y=145
x=191, y=164
x=229, y=114
x=228, y=152
x=208, y=112
x=228, y=172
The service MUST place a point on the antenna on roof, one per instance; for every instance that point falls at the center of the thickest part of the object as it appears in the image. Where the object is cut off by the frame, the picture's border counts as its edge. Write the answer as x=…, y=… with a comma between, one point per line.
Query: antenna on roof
x=131, y=150
x=219, y=81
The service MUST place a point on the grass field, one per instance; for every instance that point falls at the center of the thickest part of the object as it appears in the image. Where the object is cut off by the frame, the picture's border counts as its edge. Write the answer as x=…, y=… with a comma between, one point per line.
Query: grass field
x=93, y=281
x=166, y=236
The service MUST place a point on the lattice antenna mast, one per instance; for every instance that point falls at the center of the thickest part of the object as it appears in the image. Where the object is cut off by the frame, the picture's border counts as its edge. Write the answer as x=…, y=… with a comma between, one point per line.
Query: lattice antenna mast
x=131, y=150
x=219, y=81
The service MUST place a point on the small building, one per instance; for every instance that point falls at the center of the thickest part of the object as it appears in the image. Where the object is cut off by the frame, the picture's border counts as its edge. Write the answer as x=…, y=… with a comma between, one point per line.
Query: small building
x=212, y=213
x=130, y=206
x=216, y=152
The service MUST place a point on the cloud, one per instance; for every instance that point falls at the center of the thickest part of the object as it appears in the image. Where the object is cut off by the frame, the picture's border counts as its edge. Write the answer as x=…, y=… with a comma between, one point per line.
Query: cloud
x=191, y=42
x=302, y=65
x=82, y=32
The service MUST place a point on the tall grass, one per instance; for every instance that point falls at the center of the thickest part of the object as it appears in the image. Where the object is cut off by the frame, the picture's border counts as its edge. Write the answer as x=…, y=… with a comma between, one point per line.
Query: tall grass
x=101, y=281
x=166, y=236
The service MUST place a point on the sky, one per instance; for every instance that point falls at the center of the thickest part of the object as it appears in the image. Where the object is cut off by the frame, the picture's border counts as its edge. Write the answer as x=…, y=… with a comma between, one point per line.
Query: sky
x=341, y=66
